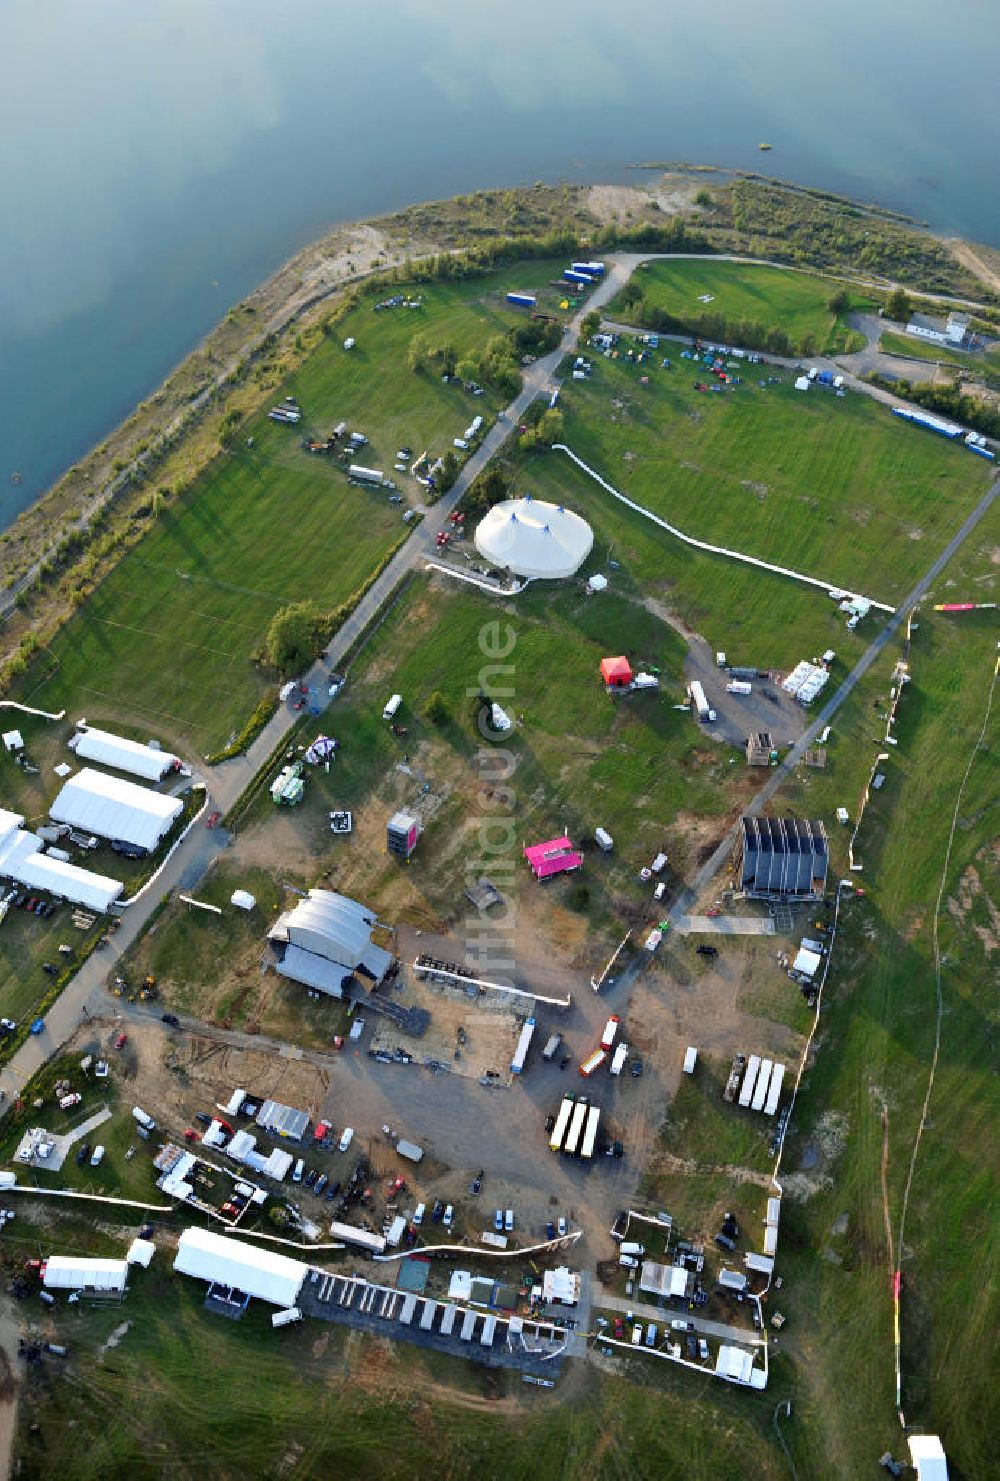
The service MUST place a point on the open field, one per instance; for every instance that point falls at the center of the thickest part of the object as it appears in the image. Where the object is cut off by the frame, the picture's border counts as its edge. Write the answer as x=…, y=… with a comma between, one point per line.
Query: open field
x=170, y=636
x=833, y=487
x=797, y=304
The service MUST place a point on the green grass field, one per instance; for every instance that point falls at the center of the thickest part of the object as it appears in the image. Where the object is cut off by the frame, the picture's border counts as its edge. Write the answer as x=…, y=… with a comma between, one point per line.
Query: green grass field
x=832, y=487
x=168, y=638
x=795, y=302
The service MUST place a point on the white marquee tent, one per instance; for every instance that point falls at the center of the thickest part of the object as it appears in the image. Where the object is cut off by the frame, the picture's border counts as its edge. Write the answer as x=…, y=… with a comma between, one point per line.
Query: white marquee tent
x=78, y=1273
x=113, y=808
x=148, y=762
x=533, y=538
x=22, y=860
x=231, y=1262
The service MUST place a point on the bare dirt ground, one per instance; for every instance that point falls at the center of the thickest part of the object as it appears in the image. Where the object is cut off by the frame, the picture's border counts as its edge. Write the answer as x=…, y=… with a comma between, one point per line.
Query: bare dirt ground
x=9, y=1383
x=982, y=262
x=624, y=203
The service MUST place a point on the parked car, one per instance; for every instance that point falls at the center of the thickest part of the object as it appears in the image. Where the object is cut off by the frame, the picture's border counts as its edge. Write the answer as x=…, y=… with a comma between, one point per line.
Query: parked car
x=101, y=1069
x=332, y=1192
x=619, y=1328
x=703, y=1351
x=97, y=1156
x=637, y=1334
x=203, y=1117
x=418, y=1213
x=448, y=1217
x=67, y=1102
x=321, y=1183
x=50, y=968
x=651, y=1334
x=498, y=1221
x=170, y=1018
x=725, y=1243
x=508, y=1220
x=83, y=1152
x=298, y=1170
x=550, y=1121
x=707, y=950
x=550, y=1230
x=476, y=1186
x=121, y=1041
x=692, y=1348
x=311, y=1176
x=7, y=1025
x=346, y=1139
x=437, y=1212
x=190, y=1135
x=637, y=1068
x=561, y=1225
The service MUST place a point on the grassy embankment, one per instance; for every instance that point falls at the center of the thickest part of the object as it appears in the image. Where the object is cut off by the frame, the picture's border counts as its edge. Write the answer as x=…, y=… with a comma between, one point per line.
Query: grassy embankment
x=170, y=634
x=796, y=304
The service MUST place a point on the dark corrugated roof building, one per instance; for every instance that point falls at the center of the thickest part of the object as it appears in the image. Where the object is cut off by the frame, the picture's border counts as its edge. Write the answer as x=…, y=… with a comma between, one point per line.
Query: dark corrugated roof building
x=781, y=858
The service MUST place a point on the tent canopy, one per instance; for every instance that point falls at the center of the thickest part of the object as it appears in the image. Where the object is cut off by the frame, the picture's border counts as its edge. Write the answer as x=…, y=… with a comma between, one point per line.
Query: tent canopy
x=231, y=1262
x=113, y=808
x=148, y=762
x=616, y=672
x=533, y=538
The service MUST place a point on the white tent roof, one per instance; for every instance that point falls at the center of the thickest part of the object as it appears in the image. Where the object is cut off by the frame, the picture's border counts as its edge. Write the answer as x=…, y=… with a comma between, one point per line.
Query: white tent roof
x=145, y=761
x=534, y=538
x=231, y=1262
x=113, y=808
x=140, y=1252
x=242, y=899
x=22, y=860
x=77, y=1273
x=927, y=1455
x=807, y=962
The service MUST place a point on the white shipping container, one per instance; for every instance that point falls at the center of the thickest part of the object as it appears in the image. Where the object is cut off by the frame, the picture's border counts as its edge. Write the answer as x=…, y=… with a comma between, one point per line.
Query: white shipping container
x=760, y=1088
x=618, y=1059
x=749, y=1080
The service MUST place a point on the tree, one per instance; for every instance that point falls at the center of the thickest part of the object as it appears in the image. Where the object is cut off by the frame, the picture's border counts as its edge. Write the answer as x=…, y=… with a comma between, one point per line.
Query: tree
x=438, y=709
x=632, y=294
x=590, y=324
x=447, y=473
x=840, y=302
x=898, y=306
x=550, y=426
x=417, y=354
x=292, y=637
x=467, y=370
x=279, y=1215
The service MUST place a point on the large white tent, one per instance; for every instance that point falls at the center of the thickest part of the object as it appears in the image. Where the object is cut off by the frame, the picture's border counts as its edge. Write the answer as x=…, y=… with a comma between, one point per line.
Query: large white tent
x=80, y=1273
x=245, y=1267
x=145, y=761
x=22, y=860
x=533, y=538
x=113, y=808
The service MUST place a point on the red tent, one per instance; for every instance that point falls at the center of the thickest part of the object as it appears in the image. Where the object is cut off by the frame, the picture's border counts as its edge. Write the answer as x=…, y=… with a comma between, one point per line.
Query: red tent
x=616, y=672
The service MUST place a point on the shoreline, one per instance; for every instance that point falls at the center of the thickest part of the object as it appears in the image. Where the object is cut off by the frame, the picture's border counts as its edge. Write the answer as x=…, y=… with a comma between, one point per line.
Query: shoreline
x=169, y=435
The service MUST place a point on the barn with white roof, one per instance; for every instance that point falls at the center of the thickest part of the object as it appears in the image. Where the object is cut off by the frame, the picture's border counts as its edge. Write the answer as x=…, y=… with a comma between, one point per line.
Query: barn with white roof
x=113, y=808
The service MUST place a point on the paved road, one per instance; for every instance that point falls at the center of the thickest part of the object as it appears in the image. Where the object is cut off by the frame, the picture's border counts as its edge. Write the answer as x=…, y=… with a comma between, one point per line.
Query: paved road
x=658, y=1314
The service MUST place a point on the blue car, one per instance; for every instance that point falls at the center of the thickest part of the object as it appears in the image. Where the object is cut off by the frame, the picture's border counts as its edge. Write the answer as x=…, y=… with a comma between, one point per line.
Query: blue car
x=38, y=1027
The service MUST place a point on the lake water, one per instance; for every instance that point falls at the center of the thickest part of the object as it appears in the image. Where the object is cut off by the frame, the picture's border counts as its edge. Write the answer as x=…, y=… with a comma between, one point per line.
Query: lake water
x=157, y=161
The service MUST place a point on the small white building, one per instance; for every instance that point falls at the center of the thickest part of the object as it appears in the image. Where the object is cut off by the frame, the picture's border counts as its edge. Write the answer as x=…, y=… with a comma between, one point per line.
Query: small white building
x=80, y=1273
x=13, y=741
x=928, y=1458
x=236, y=1265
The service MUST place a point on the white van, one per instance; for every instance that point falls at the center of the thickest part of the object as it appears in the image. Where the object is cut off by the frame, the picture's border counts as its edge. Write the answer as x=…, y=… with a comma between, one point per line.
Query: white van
x=346, y=1139
x=298, y=1170
x=418, y=1213
x=392, y=707
x=97, y=1156
x=141, y=1119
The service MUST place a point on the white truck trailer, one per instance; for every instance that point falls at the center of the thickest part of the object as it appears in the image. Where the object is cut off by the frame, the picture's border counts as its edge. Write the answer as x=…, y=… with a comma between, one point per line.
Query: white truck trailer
x=521, y=1052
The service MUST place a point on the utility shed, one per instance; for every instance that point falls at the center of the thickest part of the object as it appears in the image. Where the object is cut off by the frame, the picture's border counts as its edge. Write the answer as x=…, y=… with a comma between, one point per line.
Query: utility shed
x=77, y=1273
x=781, y=858
x=239, y=1266
x=115, y=809
x=616, y=672
x=760, y=747
x=146, y=761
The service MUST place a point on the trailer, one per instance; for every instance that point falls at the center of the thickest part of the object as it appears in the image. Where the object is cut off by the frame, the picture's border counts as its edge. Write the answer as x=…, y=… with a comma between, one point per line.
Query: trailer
x=521, y=1052
x=351, y=1234
x=409, y=1150
x=552, y=1046
x=284, y=1318
x=739, y=686
x=618, y=1059
x=590, y=1134
x=522, y=300
x=593, y=1062
x=749, y=1079
x=365, y=475
x=929, y=423
x=562, y=1122
x=573, y=275
x=760, y=1089
x=572, y=1141
x=774, y=1090
x=610, y=1030
x=699, y=704
x=595, y=268
x=495, y=1241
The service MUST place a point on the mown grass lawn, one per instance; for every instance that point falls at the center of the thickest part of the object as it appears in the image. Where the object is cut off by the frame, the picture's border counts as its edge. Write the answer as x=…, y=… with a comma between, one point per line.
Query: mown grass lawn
x=167, y=640
x=835, y=488
x=795, y=302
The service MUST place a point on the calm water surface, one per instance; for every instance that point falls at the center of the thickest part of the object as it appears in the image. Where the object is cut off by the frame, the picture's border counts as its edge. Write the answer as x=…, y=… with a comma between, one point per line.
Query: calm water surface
x=159, y=160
